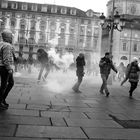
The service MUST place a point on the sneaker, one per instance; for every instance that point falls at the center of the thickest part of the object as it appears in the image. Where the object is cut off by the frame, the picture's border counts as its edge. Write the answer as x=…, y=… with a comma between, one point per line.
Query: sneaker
x=107, y=94
x=4, y=103
x=3, y=107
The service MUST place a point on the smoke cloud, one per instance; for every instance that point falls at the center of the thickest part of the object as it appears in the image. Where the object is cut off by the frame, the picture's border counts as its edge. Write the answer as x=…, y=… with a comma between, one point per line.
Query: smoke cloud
x=64, y=61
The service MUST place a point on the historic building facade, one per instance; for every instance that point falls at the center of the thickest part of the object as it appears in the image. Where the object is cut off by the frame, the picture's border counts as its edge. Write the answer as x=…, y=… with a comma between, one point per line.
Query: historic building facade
x=126, y=44
x=42, y=25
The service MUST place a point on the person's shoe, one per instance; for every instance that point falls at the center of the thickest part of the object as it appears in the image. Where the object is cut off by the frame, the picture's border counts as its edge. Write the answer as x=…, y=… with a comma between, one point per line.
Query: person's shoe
x=4, y=103
x=130, y=95
x=3, y=107
x=107, y=94
x=78, y=91
x=101, y=92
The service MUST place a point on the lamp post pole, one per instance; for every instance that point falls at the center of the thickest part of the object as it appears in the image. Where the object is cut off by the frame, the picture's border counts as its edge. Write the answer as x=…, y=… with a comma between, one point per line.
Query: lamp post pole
x=130, y=44
x=112, y=28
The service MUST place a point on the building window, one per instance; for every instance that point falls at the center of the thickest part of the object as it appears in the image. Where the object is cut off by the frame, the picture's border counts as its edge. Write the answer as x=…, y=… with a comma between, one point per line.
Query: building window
x=14, y=5
x=13, y=22
x=52, y=25
x=90, y=13
x=82, y=30
x=24, y=6
x=4, y=4
x=89, y=31
x=44, y=8
x=42, y=25
x=33, y=25
x=82, y=21
x=63, y=11
x=96, y=31
x=135, y=47
x=54, y=9
x=124, y=47
x=22, y=24
x=72, y=28
x=73, y=11
x=34, y=7
x=95, y=43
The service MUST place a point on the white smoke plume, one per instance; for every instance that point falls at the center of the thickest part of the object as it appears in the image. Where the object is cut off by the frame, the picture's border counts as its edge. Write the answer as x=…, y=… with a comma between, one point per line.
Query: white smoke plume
x=63, y=61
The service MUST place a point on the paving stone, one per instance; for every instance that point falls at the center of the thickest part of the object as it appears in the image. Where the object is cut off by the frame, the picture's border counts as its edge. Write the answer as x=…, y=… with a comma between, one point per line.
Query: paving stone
x=92, y=123
x=21, y=112
x=37, y=107
x=38, y=102
x=112, y=133
x=50, y=132
x=59, y=108
x=7, y=130
x=62, y=114
x=81, y=109
x=25, y=120
x=17, y=106
x=98, y=115
x=58, y=122
x=17, y=138
x=77, y=104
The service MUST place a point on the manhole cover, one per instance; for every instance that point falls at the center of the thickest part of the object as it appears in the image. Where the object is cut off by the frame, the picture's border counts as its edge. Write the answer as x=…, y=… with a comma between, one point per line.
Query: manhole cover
x=135, y=124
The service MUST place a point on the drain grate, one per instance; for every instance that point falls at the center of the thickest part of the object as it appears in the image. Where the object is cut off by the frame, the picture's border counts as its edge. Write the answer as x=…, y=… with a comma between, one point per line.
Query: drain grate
x=134, y=124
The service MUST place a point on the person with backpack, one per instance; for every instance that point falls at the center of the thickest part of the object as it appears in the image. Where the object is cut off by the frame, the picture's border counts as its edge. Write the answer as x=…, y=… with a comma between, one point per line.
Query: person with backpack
x=6, y=70
x=42, y=57
x=132, y=74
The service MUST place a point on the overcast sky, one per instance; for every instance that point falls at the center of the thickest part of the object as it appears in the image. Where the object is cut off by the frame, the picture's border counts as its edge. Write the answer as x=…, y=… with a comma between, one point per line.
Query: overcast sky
x=95, y=5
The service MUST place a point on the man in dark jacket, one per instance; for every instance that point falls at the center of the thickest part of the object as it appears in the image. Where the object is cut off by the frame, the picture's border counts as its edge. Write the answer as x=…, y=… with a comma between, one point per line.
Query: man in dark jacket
x=106, y=65
x=6, y=70
x=80, y=63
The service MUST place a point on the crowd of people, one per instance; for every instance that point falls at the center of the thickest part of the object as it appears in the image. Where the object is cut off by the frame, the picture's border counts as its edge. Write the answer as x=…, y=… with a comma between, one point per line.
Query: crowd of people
x=103, y=68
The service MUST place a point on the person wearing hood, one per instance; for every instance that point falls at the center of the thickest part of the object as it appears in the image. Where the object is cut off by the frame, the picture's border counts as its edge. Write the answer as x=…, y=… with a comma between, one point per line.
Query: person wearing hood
x=6, y=70
x=132, y=74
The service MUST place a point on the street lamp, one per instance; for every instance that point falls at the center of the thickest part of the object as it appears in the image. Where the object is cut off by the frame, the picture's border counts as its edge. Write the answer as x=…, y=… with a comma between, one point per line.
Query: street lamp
x=112, y=22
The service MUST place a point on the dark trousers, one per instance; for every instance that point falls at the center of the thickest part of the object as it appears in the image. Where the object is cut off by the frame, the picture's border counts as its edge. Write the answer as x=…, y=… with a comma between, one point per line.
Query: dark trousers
x=104, y=84
x=80, y=74
x=133, y=87
x=78, y=83
x=7, y=82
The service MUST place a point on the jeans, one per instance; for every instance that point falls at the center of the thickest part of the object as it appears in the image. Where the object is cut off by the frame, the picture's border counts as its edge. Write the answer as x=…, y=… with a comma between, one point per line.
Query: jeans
x=104, y=84
x=7, y=82
x=42, y=69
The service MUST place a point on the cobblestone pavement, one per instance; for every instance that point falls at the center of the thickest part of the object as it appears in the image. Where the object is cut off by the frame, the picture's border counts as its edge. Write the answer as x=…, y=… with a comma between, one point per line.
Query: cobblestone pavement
x=38, y=113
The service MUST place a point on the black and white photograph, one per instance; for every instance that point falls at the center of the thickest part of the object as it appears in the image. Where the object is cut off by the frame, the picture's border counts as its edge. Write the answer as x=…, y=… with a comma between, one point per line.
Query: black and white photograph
x=69, y=70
